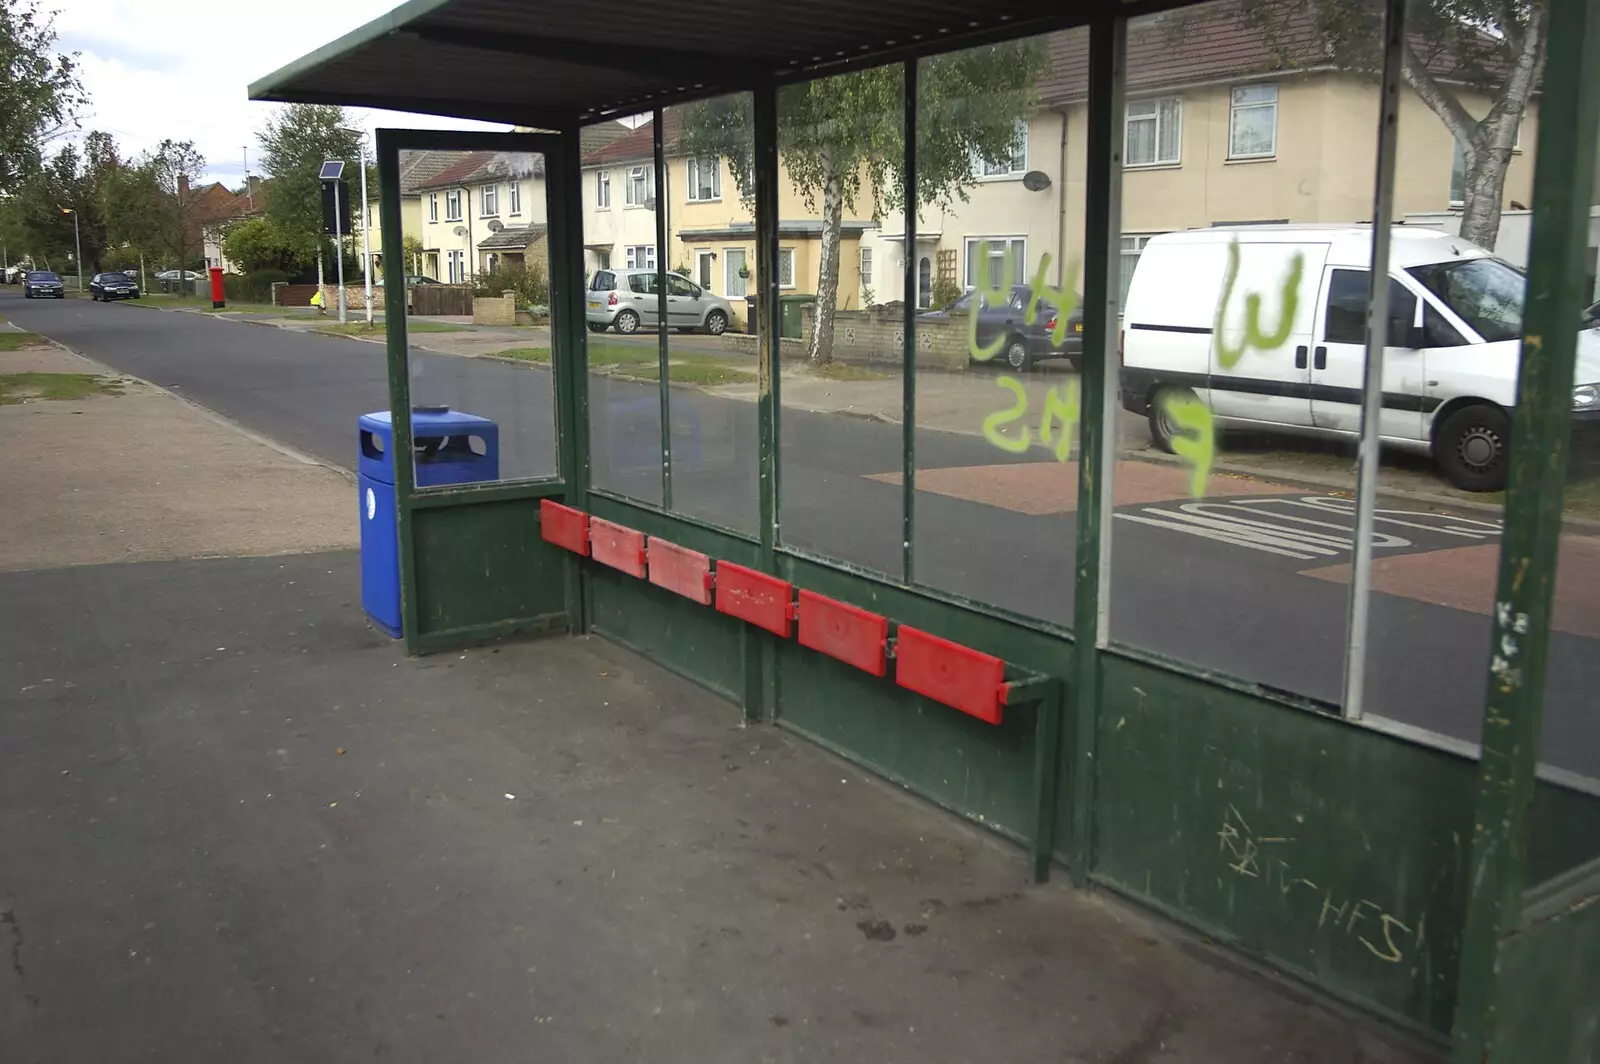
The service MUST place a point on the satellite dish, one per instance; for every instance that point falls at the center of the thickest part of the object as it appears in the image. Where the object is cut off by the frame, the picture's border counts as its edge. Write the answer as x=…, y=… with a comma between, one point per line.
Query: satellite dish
x=495, y=225
x=461, y=230
x=1035, y=180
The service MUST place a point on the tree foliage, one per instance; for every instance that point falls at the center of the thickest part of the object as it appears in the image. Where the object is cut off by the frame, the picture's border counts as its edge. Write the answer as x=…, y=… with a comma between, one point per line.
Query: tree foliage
x=39, y=90
x=150, y=205
x=843, y=137
x=1495, y=48
x=259, y=243
x=294, y=144
x=73, y=181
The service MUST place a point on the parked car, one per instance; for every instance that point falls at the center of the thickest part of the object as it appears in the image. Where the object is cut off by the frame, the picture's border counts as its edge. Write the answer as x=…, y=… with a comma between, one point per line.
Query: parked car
x=629, y=299
x=42, y=284
x=1450, y=365
x=105, y=287
x=411, y=279
x=1591, y=317
x=172, y=275
x=1024, y=344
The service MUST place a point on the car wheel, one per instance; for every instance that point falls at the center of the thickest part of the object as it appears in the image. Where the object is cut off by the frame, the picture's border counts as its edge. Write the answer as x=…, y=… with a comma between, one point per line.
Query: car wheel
x=1473, y=448
x=597, y=327
x=627, y=323
x=1163, y=427
x=716, y=323
x=1017, y=355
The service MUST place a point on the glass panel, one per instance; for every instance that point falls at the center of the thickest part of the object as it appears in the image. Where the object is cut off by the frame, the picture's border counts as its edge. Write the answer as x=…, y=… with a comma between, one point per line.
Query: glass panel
x=841, y=148
x=997, y=393
x=506, y=269
x=716, y=444
x=1449, y=386
x=622, y=308
x=1232, y=532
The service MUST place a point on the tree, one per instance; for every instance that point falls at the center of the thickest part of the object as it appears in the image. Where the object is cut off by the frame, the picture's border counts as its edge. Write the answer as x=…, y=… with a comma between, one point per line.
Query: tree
x=74, y=180
x=39, y=90
x=843, y=135
x=150, y=202
x=260, y=243
x=296, y=140
x=1492, y=47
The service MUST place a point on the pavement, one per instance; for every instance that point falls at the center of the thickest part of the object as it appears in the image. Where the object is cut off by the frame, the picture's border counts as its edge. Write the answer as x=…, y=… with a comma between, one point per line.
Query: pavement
x=1269, y=550
x=240, y=825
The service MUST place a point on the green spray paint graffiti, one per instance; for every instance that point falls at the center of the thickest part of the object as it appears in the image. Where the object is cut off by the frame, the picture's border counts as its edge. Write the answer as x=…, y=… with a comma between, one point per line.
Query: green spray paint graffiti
x=1228, y=357
x=1196, y=443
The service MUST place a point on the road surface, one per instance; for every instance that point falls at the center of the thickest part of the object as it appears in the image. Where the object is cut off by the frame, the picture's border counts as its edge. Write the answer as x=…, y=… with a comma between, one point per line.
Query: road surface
x=1251, y=583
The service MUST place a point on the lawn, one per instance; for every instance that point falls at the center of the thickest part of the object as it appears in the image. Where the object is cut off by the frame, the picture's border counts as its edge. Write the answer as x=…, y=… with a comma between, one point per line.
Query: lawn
x=641, y=363
x=844, y=371
x=16, y=341
x=22, y=387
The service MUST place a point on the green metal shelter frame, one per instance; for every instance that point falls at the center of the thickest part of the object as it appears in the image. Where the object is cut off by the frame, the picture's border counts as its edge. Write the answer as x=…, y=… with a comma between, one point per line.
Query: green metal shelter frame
x=1478, y=883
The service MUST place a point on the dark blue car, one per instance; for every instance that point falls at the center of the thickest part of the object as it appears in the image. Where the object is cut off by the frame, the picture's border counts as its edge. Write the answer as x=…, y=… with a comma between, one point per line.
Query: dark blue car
x=42, y=284
x=1024, y=344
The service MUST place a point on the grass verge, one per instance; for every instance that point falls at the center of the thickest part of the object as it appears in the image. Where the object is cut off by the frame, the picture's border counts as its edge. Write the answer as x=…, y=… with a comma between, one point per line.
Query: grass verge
x=643, y=364
x=844, y=371
x=16, y=341
x=24, y=387
x=361, y=328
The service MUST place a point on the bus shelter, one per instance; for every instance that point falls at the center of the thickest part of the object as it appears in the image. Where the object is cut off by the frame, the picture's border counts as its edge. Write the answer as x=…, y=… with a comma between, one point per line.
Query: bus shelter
x=769, y=436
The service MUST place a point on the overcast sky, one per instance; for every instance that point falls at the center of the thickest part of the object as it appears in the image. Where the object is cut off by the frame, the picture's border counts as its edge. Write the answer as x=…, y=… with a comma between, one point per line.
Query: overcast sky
x=181, y=70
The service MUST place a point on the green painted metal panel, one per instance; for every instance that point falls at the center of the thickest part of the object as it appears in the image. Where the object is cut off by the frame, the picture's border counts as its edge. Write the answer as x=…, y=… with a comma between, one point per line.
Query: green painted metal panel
x=1550, y=971
x=692, y=640
x=485, y=568
x=1326, y=847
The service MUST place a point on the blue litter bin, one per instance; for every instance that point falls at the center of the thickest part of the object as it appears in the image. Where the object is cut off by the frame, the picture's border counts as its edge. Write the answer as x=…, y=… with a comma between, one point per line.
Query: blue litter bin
x=451, y=447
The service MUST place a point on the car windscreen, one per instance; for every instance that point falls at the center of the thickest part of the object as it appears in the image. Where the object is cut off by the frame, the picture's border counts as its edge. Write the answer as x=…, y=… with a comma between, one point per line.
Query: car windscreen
x=41, y=276
x=1486, y=293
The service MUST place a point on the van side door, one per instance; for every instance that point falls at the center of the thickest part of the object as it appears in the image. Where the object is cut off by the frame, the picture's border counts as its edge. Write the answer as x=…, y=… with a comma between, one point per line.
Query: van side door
x=1270, y=386
x=1339, y=356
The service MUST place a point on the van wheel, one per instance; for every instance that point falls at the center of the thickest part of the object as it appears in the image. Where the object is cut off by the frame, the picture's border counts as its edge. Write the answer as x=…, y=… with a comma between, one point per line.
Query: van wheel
x=1163, y=429
x=1473, y=448
x=1017, y=356
x=627, y=323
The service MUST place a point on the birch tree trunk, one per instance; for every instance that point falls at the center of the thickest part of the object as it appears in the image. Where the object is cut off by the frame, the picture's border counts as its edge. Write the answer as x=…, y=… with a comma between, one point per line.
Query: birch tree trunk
x=821, y=349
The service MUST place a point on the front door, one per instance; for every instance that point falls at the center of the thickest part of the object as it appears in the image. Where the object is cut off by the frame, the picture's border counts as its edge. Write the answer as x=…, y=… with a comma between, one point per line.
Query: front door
x=1339, y=354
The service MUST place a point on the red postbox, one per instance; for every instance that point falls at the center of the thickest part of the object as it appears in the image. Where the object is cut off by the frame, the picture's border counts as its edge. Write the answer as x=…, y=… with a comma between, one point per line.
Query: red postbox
x=218, y=301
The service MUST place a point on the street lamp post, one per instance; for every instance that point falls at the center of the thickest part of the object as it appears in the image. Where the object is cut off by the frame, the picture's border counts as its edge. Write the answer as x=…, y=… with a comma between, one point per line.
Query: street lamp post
x=77, y=240
x=366, y=219
x=332, y=171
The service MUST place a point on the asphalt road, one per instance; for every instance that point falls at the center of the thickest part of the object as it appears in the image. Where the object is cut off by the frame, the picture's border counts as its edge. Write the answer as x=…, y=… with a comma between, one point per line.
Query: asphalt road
x=1221, y=588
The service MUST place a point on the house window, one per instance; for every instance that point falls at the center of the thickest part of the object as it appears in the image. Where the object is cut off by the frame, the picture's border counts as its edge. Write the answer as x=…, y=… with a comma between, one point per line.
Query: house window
x=1154, y=132
x=641, y=256
x=786, y=267
x=452, y=206
x=490, y=200
x=705, y=180
x=1132, y=248
x=866, y=266
x=456, y=259
x=702, y=268
x=1458, y=176
x=1253, y=122
x=602, y=183
x=433, y=206
x=516, y=197
x=733, y=270
x=1015, y=162
x=992, y=253
x=641, y=186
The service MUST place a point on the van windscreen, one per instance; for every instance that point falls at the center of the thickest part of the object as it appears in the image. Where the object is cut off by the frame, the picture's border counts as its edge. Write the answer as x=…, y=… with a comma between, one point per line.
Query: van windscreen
x=1486, y=293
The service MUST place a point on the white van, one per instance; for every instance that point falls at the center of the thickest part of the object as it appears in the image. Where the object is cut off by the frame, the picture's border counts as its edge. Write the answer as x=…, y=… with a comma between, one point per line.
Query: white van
x=1449, y=372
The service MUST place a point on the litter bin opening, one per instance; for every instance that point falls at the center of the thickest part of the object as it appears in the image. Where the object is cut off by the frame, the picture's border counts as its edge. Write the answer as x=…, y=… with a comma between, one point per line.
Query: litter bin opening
x=371, y=445
x=449, y=448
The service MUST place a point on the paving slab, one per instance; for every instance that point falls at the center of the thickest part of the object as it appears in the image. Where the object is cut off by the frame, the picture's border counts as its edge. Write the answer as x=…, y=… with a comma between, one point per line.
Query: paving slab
x=141, y=475
x=240, y=826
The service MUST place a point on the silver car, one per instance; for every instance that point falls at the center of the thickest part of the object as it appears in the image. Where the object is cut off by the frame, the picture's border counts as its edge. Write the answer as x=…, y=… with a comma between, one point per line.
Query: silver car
x=628, y=300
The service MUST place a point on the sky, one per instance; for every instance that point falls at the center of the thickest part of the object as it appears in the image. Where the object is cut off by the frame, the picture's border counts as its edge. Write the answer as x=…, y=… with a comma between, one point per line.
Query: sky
x=158, y=70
